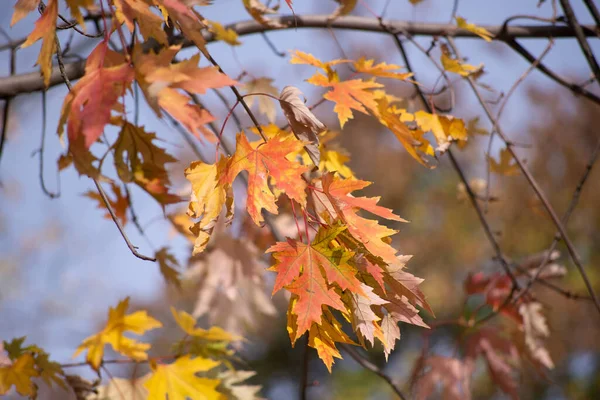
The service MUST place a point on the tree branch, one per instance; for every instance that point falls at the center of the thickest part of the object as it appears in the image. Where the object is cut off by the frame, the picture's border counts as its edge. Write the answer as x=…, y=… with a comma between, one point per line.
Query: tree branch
x=532, y=182
x=366, y=364
x=31, y=82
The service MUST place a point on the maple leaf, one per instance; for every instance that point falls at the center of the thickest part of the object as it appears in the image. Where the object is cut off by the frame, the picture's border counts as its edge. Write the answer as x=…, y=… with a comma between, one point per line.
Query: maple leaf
x=300, y=57
x=45, y=29
x=405, y=284
x=49, y=371
x=303, y=122
x=266, y=105
x=507, y=166
x=74, y=8
x=189, y=21
x=230, y=385
x=19, y=374
x=333, y=157
x=448, y=372
x=391, y=332
x=233, y=295
x=129, y=12
x=119, y=388
x=457, y=66
x=138, y=322
x=366, y=231
x=382, y=69
x=258, y=10
x=412, y=140
x=267, y=160
x=445, y=128
x=535, y=329
x=139, y=160
x=188, y=324
x=161, y=82
x=226, y=35
x=345, y=7
x=302, y=269
x=87, y=107
x=120, y=203
x=168, y=266
x=500, y=355
x=323, y=337
x=363, y=318
x=208, y=198
x=354, y=94
x=178, y=380
x=479, y=31
x=22, y=8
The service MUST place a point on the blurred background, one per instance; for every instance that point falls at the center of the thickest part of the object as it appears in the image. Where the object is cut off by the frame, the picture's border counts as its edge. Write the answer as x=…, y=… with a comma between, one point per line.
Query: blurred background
x=62, y=265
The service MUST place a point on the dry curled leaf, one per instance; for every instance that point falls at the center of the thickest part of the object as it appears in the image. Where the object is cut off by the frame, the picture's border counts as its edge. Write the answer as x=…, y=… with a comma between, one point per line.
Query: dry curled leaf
x=304, y=124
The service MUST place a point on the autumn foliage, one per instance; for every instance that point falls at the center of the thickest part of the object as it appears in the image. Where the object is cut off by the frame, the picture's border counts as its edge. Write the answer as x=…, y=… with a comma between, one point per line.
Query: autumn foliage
x=337, y=263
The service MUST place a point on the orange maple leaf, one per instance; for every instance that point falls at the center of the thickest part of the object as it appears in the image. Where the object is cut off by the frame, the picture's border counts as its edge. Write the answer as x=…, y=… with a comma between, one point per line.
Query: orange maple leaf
x=161, y=82
x=302, y=269
x=45, y=28
x=349, y=95
x=366, y=231
x=264, y=161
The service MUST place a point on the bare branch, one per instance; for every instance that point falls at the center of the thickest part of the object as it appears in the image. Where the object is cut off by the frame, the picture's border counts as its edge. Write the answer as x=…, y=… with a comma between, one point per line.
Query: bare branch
x=580, y=35
x=31, y=82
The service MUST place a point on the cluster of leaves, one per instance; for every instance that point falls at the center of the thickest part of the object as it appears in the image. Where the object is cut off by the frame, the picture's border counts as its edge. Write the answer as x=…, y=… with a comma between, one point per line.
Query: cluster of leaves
x=338, y=267
x=505, y=349
x=193, y=371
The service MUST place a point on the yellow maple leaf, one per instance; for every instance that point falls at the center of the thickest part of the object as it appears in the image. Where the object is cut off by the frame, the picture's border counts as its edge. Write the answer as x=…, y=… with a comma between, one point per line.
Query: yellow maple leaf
x=208, y=198
x=445, y=128
x=382, y=69
x=322, y=337
x=188, y=324
x=19, y=373
x=507, y=166
x=456, y=66
x=138, y=322
x=227, y=35
x=178, y=380
x=479, y=31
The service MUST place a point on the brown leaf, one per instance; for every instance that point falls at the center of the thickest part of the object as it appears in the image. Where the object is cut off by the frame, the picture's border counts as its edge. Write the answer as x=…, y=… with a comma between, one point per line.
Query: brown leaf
x=304, y=124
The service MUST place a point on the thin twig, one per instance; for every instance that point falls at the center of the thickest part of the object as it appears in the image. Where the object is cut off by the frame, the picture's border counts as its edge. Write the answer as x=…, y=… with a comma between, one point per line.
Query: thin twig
x=50, y=194
x=533, y=183
x=118, y=223
x=484, y=223
x=271, y=45
x=98, y=186
x=513, y=88
x=566, y=216
x=366, y=364
x=239, y=97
